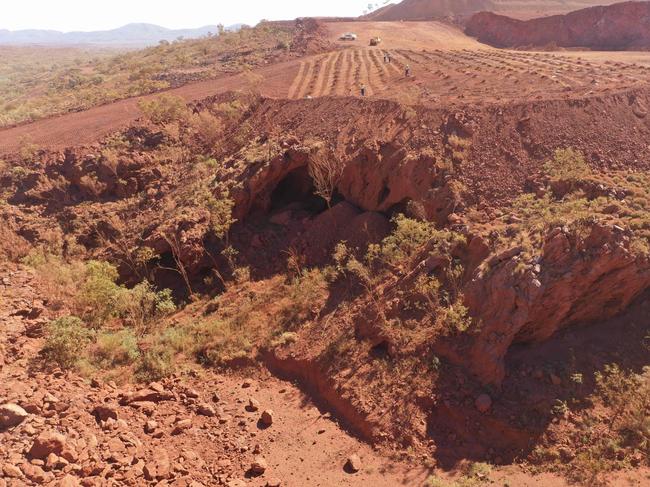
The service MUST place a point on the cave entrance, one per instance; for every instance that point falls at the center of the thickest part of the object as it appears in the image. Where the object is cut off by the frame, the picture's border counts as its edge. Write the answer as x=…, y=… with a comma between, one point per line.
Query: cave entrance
x=297, y=190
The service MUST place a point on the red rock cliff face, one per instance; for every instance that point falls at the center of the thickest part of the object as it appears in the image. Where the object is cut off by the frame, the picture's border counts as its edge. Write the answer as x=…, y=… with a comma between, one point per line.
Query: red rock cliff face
x=617, y=27
x=574, y=282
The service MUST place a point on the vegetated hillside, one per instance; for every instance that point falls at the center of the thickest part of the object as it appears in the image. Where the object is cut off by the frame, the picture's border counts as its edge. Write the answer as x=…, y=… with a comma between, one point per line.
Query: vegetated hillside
x=616, y=27
x=36, y=87
x=134, y=35
x=430, y=9
x=391, y=258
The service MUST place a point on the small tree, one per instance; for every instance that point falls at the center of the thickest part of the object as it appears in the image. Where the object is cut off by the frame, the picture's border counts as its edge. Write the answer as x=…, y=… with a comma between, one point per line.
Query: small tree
x=176, y=249
x=326, y=173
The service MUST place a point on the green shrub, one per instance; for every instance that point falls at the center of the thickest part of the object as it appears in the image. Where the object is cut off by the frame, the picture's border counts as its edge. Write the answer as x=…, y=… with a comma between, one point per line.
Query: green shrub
x=409, y=237
x=60, y=279
x=619, y=428
x=180, y=340
x=156, y=364
x=164, y=109
x=27, y=149
x=628, y=394
x=65, y=341
x=230, y=110
x=221, y=342
x=208, y=128
x=96, y=296
x=568, y=165
x=115, y=348
x=305, y=298
x=284, y=339
x=455, y=317
x=220, y=207
x=142, y=305
x=98, y=293
x=428, y=287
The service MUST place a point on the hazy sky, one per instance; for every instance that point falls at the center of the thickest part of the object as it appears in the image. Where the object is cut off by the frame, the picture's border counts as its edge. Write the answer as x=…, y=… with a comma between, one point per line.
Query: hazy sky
x=69, y=15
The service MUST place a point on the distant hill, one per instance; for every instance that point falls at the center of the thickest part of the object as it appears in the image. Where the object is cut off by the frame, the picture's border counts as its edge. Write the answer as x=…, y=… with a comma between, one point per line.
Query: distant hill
x=136, y=35
x=614, y=27
x=435, y=9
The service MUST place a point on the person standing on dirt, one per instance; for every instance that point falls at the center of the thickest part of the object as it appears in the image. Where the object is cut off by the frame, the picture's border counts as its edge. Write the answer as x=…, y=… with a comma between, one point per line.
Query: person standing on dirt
x=407, y=71
x=363, y=90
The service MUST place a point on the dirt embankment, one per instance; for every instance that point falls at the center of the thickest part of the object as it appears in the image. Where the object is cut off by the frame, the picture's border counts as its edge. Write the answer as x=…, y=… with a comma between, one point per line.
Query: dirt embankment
x=429, y=9
x=623, y=26
x=461, y=9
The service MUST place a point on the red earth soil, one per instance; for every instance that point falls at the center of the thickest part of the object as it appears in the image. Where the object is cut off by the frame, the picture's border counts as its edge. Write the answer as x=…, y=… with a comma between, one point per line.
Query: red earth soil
x=617, y=27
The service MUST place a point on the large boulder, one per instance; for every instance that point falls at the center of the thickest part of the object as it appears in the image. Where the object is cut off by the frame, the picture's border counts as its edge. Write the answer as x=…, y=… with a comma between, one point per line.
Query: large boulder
x=51, y=442
x=159, y=467
x=11, y=415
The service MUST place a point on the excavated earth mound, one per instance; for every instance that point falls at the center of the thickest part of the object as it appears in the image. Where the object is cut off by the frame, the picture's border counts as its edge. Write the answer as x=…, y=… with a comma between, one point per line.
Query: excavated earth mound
x=617, y=27
x=431, y=9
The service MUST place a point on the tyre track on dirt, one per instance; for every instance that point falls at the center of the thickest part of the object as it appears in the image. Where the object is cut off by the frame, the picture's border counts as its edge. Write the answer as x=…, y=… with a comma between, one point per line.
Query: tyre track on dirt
x=306, y=78
x=332, y=74
x=393, y=64
x=443, y=75
x=364, y=74
x=374, y=72
x=356, y=70
x=380, y=65
x=319, y=84
x=88, y=126
x=348, y=65
x=312, y=85
x=338, y=73
x=297, y=82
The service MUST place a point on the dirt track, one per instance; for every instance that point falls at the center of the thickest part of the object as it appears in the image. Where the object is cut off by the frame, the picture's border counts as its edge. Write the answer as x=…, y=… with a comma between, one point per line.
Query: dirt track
x=447, y=68
x=87, y=126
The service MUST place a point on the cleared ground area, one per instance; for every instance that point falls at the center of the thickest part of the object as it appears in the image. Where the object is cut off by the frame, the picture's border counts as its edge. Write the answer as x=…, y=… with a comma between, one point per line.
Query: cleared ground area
x=405, y=35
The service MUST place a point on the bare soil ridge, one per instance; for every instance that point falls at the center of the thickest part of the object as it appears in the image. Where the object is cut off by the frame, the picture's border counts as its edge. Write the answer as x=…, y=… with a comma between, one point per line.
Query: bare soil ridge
x=622, y=26
x=462, y=9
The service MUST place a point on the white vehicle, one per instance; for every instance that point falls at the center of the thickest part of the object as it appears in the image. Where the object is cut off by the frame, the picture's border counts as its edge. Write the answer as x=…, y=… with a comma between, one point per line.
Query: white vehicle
x=349, y=36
